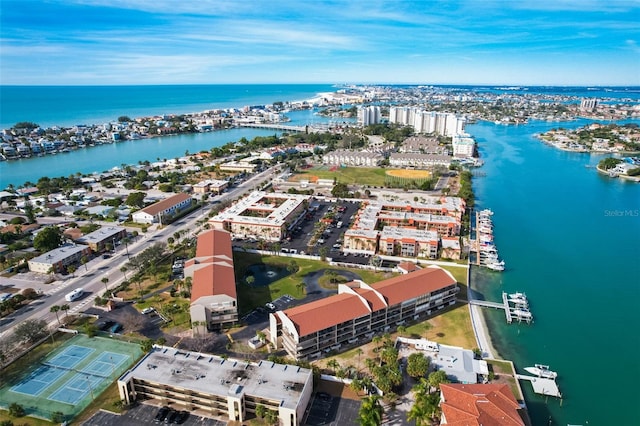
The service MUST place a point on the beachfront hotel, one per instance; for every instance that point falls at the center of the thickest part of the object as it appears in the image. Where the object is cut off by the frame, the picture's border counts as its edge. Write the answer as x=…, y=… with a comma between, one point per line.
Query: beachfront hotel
x=214, y=303
x=262, y=215
x=211, y=386
x=359, y=311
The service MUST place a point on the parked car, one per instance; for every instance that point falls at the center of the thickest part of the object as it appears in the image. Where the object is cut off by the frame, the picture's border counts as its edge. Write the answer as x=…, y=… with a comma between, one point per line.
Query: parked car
x=171, y=417
x=104, y=325
x=148, y=310
x=116, y=327
x=181, y=417
x=271, y=307
x=161, y=414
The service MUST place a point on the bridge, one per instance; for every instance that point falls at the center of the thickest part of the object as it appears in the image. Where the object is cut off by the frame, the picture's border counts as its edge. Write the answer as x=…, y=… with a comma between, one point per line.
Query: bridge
x=274, y=126
x=285, y=128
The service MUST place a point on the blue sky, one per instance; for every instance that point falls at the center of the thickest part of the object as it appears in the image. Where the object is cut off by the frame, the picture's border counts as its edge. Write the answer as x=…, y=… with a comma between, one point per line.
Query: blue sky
x=515, y=42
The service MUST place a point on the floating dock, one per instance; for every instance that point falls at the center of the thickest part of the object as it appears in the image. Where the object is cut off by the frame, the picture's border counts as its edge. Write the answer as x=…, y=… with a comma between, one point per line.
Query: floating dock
x=519, y=311
x=541, y=385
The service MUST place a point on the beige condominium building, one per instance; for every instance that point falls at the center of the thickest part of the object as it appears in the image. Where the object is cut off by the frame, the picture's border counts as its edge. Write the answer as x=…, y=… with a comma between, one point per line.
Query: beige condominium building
x=163, y=211
x=212, y=386
x=359, y=311
x=262, y=215
x=214, y=304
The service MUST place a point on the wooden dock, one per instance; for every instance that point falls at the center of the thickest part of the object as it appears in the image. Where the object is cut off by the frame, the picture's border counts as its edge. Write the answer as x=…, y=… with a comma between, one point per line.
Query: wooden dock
x=541, y=385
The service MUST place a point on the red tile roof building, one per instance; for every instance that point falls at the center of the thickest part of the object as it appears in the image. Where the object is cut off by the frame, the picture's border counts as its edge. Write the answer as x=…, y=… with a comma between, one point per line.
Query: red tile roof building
x=359, y=311
x=480, y=404
x=213, y=292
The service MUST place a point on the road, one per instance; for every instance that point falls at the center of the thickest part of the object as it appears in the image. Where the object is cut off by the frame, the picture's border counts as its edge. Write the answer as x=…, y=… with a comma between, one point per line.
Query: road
x=89, y=276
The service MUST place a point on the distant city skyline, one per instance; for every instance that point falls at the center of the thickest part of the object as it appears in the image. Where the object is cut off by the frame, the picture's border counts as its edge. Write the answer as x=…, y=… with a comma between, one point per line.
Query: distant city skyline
x=527, y=42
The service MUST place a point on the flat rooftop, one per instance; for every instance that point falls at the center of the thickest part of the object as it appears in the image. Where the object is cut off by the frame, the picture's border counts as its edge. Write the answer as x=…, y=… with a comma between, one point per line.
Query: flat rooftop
x=101, y=234
x=59, y=254
x=211, y=374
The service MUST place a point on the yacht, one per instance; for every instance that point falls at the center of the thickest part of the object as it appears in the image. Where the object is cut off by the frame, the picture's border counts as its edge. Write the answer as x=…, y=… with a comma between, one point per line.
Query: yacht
x=541, y=371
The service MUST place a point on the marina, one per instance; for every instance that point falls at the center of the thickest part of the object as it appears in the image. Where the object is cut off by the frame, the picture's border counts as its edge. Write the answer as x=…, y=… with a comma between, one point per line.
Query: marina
x=486, y=253
x=515, y=306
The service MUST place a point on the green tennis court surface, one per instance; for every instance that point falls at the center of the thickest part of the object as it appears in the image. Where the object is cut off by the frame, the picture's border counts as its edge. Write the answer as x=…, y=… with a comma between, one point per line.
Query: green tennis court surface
x=70, y=377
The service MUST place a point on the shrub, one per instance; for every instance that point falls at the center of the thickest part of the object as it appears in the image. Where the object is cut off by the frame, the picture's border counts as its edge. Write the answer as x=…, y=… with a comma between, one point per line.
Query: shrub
x=16, y=410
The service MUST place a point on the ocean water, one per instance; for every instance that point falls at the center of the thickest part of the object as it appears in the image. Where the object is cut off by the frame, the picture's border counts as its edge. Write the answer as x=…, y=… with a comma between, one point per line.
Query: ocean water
x=569, y=237
x=70, y=105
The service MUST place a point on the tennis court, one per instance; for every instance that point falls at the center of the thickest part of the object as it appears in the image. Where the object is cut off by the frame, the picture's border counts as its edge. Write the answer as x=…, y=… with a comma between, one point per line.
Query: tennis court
x=70, y=377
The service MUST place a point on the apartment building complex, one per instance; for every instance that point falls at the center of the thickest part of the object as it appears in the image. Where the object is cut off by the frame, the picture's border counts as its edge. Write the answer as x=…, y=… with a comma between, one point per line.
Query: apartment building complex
x=98, y=239
x=359, y=311
x=58, y=259
x=163, y=211
x=262, y=215
x=369, y=115
x=439, y=123
x=211, y=386
x=415, y=227
x=214, y=303
x=347, y=157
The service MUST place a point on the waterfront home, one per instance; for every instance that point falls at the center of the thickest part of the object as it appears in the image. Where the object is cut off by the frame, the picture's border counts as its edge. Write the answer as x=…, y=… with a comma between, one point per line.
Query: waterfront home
x=480, y=404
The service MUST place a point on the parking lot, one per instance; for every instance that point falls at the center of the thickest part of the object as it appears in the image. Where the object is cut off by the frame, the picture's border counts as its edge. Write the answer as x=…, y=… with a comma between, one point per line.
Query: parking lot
x=329, y=410
x=144, y=414
x=301, y=239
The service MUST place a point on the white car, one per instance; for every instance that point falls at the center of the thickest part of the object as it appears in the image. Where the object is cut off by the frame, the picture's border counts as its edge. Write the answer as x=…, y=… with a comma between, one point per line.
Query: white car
x=148, y=310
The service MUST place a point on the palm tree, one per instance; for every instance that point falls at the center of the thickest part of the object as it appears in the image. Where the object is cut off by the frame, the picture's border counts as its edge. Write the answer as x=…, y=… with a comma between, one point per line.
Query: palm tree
x=84, y=261
x=124, y=271
x=71, y=269
x=359, y=352
x=105, y=280
x=371, y=411
x=65, y=308
x=55, y=309
x=333, y=364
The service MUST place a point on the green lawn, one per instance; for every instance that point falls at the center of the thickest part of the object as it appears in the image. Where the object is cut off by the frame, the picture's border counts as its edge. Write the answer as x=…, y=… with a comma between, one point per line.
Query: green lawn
x=252, y=296
x=348, y=175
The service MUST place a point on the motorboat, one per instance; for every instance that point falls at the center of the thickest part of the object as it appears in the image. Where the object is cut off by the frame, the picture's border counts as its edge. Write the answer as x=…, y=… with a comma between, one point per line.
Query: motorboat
x=518, y=297
x=541, y=371
x=522, y=313
x=495, y=266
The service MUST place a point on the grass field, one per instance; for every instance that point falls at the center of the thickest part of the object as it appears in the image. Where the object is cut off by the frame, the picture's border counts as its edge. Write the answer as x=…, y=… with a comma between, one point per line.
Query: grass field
x=348, y=175
x=252, y=296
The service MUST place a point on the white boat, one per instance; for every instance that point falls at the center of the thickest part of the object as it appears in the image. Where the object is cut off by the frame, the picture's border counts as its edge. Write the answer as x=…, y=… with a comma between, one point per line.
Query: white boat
x=518, y=296
x=485, y=230
x=486, y=212
x=541, y=371
x=522, y=313
x=495, y=266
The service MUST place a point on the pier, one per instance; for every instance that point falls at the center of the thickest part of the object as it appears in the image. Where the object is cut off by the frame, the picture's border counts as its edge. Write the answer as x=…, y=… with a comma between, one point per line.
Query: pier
x=483, y=245
x=515, y=308
x=541, y=385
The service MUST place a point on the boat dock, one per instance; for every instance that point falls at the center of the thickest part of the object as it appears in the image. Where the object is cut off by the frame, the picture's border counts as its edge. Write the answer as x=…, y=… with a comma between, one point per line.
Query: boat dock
x=541, y=385
x=486, y=253
x=515, y=306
